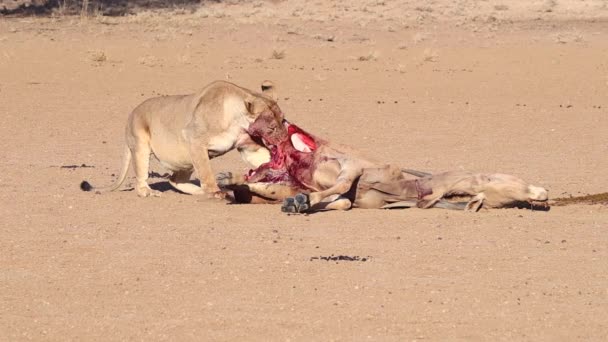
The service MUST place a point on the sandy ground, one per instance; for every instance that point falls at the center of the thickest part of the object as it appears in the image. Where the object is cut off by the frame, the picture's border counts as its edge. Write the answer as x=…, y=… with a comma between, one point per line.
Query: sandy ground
x=517, y=87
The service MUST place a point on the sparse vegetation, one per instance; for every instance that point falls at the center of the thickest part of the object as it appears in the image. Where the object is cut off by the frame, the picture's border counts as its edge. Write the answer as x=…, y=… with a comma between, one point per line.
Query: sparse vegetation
x=84, y=11
x=523, y=94
x=149, y=60
x=97, y=56
x=549, y=5
x=328, y=38
x=430, y=55
x=569, y=37
x=427, y=9
x=372, y=56
x=86, y=7
x=184, y=59
x=277, y=54
x=419, y=37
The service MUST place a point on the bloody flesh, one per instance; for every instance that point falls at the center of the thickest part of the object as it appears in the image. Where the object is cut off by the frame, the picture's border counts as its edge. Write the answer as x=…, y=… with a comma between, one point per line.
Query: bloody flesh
x=288, y=164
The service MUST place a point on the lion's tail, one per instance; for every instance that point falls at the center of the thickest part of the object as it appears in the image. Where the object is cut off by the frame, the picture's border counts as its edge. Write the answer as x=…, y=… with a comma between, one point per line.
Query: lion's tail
x=126, y=161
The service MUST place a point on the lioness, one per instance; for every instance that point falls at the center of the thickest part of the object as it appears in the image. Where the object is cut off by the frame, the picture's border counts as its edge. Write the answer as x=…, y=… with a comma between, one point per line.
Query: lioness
x=331, y=177
x=185, y=131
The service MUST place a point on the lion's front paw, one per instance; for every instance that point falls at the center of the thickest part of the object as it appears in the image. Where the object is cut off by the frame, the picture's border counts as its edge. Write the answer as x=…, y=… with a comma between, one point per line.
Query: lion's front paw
x=298, y=204
x=217, y=195
x=145, y=191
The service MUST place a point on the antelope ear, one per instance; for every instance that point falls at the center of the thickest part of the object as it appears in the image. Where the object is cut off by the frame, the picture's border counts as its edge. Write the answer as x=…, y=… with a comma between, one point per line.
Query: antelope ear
x=300, y=143
x=269, y=89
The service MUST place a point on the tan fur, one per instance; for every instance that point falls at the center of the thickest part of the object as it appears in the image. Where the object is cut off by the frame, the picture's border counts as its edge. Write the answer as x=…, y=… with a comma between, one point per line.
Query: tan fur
x=384, y=187
x=342, y=179
x=337, y=168
x=185, y=131
x=494, y=190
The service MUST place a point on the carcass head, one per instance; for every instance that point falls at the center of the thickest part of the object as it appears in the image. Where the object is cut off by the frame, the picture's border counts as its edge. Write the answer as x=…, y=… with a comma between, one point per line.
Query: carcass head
x=269, y=127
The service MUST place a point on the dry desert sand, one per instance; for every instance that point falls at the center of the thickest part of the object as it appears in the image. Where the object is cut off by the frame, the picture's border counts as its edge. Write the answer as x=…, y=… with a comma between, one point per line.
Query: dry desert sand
x=513, y=86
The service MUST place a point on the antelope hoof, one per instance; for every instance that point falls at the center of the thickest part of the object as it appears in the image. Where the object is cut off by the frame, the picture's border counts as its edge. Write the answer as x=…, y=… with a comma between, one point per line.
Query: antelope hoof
x=289, y=205
x=298, y=204
x=302, y=202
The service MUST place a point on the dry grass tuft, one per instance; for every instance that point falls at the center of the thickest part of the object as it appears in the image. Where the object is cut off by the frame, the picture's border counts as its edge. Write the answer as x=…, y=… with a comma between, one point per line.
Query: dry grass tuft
x=327, y=38
x=565, y=38
x=184, y=59
x=427, y=9
x=149, y=61
x=62, y=8
x=430, y=55
x=419, y=37
x=372, y=56
x=549, y=5
x=84, y=11
x=278, y=54
x=97, y=56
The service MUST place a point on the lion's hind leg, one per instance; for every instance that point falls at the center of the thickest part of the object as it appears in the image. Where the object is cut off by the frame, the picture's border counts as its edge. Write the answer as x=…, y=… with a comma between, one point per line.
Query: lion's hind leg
x=180, y=181
x=141, y=163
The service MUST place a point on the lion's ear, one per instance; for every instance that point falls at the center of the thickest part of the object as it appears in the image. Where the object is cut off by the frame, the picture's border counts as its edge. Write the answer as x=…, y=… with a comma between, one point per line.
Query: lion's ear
x=249, y=107
x=269, y=89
